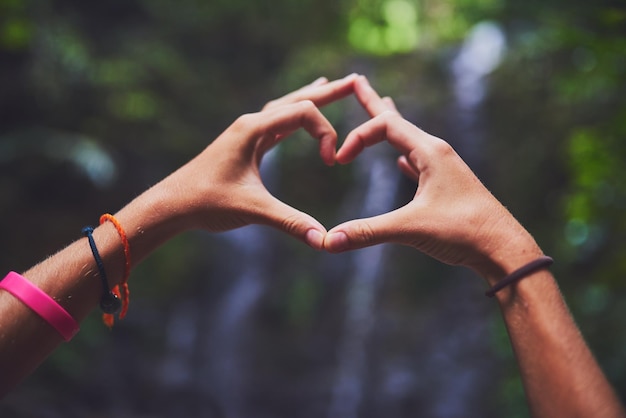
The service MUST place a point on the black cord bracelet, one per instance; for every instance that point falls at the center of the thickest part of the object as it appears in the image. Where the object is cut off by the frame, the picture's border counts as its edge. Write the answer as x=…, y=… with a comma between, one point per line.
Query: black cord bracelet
x=536, y=265
x=109, y=302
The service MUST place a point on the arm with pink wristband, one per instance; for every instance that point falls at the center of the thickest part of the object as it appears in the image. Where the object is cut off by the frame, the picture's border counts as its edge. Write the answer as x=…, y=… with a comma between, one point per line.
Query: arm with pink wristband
x=218, y=190
x=452, y=218
x=42, y=304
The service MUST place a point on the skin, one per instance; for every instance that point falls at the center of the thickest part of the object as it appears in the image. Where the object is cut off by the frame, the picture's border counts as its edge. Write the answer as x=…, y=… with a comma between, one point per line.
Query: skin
x=456, y=220
x=452, y=218
x=220, y=189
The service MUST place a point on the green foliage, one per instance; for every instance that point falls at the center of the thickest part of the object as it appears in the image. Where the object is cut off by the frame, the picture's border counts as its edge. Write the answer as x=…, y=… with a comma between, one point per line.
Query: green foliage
x=16, y=29
x=386, y=27
x=395, y=32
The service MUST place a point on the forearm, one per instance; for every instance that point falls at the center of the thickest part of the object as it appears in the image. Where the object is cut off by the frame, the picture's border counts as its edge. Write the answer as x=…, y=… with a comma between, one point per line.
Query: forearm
x=219, y=190
x=560, y=375
x=455, y=219
x=71, y=278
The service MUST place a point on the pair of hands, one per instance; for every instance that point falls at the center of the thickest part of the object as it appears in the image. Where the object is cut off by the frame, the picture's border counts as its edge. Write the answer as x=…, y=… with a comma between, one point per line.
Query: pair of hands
x=452, y=216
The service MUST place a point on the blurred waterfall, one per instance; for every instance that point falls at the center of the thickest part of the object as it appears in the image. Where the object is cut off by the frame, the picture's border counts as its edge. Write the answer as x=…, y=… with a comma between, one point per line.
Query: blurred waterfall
x=380, y=181
x=453, y=367
x=460, y=367
x=227, y=342
x=208, y=356
x=480, y=54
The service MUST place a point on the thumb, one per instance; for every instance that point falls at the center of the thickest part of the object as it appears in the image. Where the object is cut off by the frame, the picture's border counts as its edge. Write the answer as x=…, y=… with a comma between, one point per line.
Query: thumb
x=360, y=233
x=296, y=223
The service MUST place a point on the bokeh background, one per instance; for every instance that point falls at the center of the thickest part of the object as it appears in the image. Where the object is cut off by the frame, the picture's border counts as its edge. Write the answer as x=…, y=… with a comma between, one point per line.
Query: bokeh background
x=100, y=100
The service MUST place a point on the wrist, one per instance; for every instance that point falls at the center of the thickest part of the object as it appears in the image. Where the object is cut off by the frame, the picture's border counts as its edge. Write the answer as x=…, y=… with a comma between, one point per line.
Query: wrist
x=149, y=221
x=514, y=269
x=510, y=248
x=506, y=262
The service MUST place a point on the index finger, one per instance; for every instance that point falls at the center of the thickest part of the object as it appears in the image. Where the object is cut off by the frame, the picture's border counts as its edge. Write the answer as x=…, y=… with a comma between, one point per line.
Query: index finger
x=320, y=92
x=390, y=126
x=275, y=124
x=369, y=98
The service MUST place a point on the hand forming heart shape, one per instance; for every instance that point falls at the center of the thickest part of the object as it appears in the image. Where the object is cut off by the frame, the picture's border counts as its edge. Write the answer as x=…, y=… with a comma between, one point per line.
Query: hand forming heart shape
x=452, y=216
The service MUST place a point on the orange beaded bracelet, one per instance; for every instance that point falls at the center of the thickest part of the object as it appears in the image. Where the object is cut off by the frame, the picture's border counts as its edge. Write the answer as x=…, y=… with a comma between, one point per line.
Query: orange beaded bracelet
x=109, y=319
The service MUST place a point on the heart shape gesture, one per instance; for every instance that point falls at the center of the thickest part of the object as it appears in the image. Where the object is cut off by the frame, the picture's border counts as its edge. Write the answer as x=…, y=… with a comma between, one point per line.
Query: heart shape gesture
x=452, y=216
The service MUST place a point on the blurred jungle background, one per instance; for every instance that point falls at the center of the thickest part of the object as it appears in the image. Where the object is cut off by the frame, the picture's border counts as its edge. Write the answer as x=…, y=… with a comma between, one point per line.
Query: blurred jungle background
x=100, y=100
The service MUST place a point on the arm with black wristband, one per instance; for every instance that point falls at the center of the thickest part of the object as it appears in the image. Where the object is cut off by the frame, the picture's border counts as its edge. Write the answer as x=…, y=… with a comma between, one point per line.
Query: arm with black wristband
x=456, y=220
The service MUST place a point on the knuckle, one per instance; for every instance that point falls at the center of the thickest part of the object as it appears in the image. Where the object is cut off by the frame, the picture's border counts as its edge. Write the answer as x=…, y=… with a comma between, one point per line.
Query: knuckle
x=442, y=149
x=290, y=224
x=244, y=121
x=365, y=232
x=270, y=104
x=388, y=116
x=307, y=105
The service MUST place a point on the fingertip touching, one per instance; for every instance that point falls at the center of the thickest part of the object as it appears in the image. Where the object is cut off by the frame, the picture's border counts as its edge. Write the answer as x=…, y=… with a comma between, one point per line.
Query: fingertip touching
x=294, y=222
x=336, y=242
x=315, y=239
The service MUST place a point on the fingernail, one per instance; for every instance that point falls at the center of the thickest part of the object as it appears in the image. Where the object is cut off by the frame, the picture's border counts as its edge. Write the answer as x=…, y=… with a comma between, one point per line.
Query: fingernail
x=314, y=238
x=352, y=75
x=337, y=242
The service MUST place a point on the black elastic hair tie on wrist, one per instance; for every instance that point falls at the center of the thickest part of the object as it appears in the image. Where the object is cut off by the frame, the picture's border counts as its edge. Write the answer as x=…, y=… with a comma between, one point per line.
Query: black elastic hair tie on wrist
x=109, y=302
x=536, y=265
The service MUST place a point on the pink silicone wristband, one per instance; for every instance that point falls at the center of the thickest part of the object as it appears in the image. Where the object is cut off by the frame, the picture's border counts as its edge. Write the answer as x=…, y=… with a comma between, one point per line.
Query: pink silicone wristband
x=41, y=303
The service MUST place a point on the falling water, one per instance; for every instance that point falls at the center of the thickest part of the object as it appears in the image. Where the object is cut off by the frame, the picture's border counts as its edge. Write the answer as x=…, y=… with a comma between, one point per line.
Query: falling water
x=460, y=358
x=380, y=180
x=232, y=322
x=218, y=344
x=480, y=54
x=453, y=367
